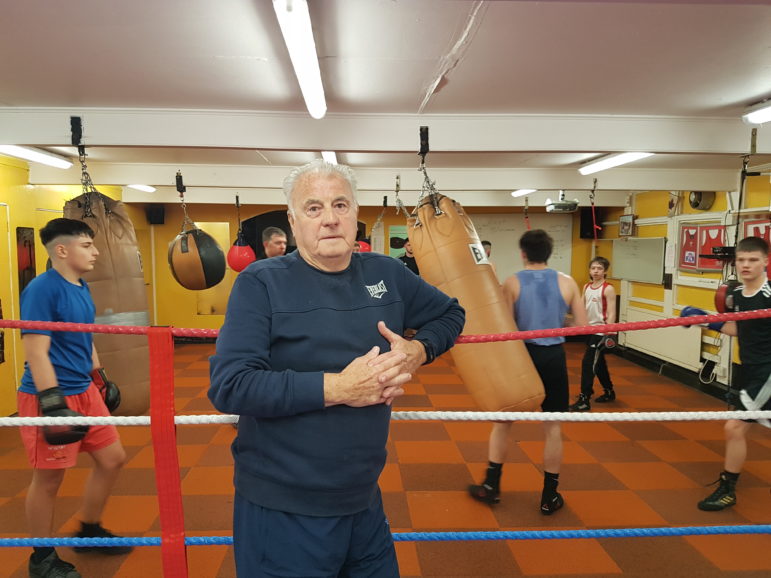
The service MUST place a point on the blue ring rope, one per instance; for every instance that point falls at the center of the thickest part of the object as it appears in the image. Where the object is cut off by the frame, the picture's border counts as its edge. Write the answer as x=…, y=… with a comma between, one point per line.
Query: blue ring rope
x=418, y=536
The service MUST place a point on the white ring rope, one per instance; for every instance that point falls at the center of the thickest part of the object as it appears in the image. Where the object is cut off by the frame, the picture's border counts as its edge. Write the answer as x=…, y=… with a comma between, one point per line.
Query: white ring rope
x=419, y=415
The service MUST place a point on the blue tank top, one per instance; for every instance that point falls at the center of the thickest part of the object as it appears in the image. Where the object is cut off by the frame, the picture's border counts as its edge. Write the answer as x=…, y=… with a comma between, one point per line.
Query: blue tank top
x=540, y=304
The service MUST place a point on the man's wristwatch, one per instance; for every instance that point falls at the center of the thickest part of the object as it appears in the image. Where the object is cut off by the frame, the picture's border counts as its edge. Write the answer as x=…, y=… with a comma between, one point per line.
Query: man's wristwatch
x=430, y=353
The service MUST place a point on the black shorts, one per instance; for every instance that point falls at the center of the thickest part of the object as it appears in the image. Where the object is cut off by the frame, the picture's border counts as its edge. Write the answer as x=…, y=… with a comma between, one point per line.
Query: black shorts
x=752, y=379
x=550, y=362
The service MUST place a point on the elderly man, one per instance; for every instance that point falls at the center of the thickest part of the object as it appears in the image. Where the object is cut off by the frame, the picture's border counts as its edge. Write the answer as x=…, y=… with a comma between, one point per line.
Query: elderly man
x=274, y=242
x=311, y=357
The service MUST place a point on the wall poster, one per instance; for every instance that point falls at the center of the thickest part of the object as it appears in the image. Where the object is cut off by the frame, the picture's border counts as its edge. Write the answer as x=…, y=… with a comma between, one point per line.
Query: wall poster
x=759, y=228
x=696, y=243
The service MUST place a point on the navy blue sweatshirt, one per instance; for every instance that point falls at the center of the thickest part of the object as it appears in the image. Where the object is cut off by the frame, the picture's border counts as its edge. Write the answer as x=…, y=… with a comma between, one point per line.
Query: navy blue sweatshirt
x=287, y=324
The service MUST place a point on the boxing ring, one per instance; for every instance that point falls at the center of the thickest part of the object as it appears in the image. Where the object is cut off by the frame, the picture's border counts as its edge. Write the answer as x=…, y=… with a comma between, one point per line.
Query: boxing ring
x=163, y=420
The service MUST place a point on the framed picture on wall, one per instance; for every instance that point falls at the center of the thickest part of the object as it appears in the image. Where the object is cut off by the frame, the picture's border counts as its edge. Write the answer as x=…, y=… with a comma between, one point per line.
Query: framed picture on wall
x=625, y=225
x=759, y=228
x=710, y=236
x=689, y=247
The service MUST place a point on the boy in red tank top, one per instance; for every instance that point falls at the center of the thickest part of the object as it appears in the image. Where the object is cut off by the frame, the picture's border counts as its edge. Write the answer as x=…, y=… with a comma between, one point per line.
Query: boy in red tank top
x=600, y=301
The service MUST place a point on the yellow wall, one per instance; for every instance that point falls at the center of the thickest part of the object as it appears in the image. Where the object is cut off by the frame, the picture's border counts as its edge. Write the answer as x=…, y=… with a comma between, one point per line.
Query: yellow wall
x=651, y=204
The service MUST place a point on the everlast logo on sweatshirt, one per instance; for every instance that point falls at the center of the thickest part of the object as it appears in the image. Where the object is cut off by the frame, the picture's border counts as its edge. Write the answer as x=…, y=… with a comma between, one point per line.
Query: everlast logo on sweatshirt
x=377, y=291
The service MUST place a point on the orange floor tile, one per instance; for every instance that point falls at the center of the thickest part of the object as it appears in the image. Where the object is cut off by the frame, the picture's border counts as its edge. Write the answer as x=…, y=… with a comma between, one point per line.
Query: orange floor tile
x=614, y=475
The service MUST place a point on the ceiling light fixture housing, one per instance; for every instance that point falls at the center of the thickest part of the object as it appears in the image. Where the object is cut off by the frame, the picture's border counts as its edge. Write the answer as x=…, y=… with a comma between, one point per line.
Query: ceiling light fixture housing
x=522, y=192
x=36, y=156
x=143, y=188
x=610, y=161
x=329, y=156
x=758, y=113
x=295, y=22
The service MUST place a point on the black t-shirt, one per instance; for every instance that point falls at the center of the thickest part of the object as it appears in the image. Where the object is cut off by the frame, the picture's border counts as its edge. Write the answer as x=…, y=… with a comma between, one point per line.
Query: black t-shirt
x=754, y=334
x=411, y=264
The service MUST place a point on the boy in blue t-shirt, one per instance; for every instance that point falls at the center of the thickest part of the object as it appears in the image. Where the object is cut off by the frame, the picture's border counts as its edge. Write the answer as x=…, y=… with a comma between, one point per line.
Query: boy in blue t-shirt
x=57, y=382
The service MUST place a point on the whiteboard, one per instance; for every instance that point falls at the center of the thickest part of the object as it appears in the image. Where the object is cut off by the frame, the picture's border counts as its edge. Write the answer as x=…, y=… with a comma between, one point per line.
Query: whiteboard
x=503, y=230
x=638, y=259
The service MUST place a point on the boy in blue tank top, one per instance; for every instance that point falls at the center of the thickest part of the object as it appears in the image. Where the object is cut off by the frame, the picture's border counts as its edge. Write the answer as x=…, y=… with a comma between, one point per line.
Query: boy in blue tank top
x=539, y=298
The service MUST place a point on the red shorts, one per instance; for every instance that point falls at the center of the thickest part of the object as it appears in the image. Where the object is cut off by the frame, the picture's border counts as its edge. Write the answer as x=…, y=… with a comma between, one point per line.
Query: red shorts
x=44, y=456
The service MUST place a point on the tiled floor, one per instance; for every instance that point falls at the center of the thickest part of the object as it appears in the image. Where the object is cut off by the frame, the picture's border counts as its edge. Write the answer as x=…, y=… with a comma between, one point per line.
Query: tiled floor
x=615, y=475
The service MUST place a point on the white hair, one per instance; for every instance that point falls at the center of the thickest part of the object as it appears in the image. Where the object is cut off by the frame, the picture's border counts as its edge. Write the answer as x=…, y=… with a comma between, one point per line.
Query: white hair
x=322, y=168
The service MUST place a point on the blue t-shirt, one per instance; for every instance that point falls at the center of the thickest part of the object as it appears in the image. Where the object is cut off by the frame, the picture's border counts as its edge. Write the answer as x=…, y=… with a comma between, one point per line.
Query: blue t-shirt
x=50, y=297
x=540, y=304
x=287, y=323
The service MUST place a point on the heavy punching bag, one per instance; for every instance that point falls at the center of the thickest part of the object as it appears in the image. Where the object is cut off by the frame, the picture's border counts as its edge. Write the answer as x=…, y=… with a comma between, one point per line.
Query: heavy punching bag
x=499, y=375
x=118, y=289
x=196, y=260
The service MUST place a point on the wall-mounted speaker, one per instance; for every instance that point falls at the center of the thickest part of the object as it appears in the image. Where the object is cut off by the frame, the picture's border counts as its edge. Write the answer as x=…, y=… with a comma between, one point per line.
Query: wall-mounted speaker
x=586, y=227
x=155, y=213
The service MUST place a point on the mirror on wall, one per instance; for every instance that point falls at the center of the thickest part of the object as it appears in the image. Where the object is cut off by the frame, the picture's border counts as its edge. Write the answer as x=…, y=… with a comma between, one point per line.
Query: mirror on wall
x=25, y=256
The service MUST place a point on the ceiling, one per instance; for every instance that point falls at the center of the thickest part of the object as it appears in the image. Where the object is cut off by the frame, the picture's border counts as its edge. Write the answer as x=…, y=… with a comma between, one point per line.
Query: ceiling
x=516, y=94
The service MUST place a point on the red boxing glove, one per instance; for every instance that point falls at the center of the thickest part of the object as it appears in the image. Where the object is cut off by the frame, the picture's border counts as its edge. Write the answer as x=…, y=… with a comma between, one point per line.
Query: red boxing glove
x=108, y=389
x=724, y=299
x=609, y=340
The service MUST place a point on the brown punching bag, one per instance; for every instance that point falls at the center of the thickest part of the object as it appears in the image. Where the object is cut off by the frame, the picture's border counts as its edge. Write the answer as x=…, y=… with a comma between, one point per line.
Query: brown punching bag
x=196, y=259
x=499, y=375
x=118, y=289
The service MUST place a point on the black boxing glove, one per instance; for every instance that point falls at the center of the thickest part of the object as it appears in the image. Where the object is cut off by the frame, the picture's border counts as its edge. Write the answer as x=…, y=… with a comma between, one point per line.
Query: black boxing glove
x=110, y=392
x=53, y=404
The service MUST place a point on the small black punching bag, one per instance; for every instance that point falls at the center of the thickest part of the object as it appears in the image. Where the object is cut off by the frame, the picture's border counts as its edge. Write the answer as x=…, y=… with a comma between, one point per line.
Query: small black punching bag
x=196, y=259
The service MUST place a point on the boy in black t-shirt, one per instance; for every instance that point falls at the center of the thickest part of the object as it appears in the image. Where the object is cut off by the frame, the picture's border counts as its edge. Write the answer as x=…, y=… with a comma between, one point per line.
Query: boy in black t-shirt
x=754, y=337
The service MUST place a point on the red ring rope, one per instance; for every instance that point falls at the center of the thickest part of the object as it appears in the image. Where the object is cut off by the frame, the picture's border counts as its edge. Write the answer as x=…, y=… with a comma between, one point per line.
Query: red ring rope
x=480, y=338
x=616, y=327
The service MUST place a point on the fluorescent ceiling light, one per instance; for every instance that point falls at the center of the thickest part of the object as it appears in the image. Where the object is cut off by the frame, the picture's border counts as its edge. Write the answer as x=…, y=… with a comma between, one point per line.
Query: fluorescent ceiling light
x=295, y=23
x=610, y=161
x=329, y=156
x=143, y=188
x=522, y=192
x=36, y=156
x=758, y=113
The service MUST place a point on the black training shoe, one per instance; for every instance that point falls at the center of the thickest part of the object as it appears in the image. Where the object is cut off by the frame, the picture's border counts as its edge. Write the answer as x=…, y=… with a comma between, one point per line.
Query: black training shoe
x=609, y=395
x=581, y=404
x=52, y=567
x=484, y=493
x=552, y=504
x=723, y=497
x=107, y=550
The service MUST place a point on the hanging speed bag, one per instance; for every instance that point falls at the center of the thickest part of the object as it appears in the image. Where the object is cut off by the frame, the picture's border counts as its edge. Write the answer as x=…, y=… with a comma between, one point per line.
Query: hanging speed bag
x=196, y=259
x=499, y=375
x=117, y=287
x=240, y=255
